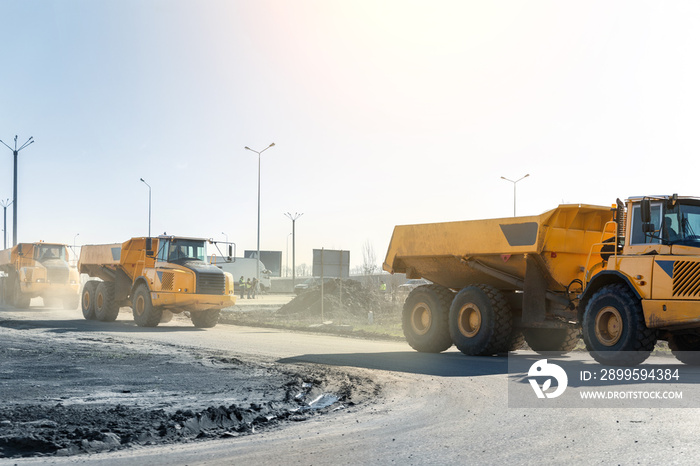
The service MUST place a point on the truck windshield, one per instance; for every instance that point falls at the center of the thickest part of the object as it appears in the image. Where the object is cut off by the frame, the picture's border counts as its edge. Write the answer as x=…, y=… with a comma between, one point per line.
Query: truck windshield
x=682, y=225
x=44, y=252
x=186, y=249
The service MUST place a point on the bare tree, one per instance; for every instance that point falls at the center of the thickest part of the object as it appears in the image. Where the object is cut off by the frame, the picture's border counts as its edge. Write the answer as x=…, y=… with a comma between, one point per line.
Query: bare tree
x=369, y=259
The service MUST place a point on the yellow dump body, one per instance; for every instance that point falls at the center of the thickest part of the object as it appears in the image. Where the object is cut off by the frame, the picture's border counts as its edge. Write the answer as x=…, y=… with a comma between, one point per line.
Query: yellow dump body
x=560, y=240
x=95, y=258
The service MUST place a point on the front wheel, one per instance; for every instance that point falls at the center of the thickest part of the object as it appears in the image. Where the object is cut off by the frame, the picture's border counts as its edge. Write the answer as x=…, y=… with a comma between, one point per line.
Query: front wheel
x=205, y=319
x=145, y=314
x=21, y=301
x=614, y=329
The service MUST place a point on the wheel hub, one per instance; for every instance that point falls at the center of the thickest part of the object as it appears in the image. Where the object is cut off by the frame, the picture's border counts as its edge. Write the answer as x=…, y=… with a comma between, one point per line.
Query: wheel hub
x=469, y=320
x=140, y=305
x=421, y=318
x=608, y=326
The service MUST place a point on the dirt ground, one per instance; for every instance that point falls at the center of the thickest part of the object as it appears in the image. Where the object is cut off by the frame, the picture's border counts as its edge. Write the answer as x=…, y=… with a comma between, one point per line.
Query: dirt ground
x=65, y=393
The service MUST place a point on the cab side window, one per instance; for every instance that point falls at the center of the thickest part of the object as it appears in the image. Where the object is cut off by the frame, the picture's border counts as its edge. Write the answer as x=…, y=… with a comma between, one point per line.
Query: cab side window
x=638, y=236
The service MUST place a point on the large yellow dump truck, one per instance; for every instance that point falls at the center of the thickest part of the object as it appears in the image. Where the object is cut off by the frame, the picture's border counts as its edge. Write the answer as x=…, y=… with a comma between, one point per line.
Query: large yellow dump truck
x=39, y=270
x=622, y=277
x=156, y=277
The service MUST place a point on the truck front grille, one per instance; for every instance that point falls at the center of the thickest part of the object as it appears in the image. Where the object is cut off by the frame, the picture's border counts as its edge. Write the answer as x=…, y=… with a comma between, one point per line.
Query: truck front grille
x=58, y=275
x=686, y=279
x=166, y=282
x=211, y=283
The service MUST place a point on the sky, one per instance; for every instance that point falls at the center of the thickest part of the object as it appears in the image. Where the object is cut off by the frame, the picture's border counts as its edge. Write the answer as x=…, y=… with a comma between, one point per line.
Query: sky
x=382, y=113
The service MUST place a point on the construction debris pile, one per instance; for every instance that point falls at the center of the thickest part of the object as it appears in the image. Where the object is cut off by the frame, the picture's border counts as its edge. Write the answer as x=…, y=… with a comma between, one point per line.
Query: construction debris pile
x=340, y=298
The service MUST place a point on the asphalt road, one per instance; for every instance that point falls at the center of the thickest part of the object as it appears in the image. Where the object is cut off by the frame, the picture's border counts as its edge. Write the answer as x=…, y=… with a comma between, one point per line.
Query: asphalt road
x=434, y=409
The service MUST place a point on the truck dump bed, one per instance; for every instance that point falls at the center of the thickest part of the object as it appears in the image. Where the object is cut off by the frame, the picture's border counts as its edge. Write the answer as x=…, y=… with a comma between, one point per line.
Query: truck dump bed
x=559, y=240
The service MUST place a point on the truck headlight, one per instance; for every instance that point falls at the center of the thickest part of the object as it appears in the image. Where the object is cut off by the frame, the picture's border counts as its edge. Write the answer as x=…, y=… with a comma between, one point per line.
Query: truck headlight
x=40, y=280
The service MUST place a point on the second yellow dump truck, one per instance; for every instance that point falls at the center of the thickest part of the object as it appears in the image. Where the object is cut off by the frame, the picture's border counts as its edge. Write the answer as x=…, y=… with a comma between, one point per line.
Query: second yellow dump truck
x=156, y=277
x=622, y=277
x=39, y=270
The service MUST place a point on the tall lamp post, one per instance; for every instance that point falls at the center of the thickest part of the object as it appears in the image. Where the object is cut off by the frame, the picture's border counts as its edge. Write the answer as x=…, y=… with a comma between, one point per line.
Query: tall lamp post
x=15, y=152
x=74, y=251
x=5, y=204
x=257, y=264
x=514, y=183
x=149, y=206
x=293, y=218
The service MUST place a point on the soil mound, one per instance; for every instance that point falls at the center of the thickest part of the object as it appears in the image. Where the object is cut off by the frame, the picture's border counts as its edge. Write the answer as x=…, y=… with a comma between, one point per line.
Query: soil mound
x=340, y=297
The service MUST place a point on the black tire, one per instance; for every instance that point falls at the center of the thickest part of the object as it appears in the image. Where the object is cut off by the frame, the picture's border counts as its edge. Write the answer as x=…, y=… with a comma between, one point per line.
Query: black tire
x=145, y=314
x=614, y=329
x=686, y=348
x=87, y=299
x=560, y=340
x=21, y=301
x=481, y=322
x=205, y=319
x=516, y=340
x=424, y=319
x=106, y=309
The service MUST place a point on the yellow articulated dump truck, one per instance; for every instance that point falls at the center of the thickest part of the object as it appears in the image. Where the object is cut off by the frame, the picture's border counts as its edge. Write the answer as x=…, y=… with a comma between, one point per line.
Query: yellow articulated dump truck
x=156, y=277
x=39, y=270
x=622, y=277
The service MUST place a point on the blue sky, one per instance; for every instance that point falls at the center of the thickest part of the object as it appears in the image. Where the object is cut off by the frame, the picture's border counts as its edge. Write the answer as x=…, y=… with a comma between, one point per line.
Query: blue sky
x=382, y=113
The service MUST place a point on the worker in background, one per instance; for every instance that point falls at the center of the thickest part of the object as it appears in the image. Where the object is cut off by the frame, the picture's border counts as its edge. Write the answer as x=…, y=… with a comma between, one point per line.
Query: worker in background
x=254, y=288
x=382, y=287
x=248, y=285
x=241, y=286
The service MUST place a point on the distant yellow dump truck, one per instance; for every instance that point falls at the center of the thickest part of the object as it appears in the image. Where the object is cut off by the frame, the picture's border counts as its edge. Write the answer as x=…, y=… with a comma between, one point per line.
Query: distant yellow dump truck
x=39, y=270
x=622, y=277
x=156, y=277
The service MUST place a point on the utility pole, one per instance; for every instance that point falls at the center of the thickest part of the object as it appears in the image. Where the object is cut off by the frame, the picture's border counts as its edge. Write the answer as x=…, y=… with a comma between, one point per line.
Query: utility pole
x=293, y=218
x=5, y=204
x=15, y=152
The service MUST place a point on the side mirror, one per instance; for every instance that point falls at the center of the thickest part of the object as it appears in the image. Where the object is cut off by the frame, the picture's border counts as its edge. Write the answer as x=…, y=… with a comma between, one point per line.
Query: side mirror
x=646, y=211
x=648, y=227
x=149, y=247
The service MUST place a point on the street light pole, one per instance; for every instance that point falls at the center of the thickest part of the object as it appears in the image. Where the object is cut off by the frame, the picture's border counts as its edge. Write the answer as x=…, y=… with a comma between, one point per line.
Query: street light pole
x=257, y=264
x=514, y=183
x=149, y=206
x=74, y=252
x=15, y=152
x=5, y=204
x=293, y=218
x=287, y=264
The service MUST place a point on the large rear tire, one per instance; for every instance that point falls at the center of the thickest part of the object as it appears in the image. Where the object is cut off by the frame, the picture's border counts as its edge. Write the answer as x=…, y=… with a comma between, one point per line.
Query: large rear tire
x=425, y=316
x=481, y=322
x=87, y=299
x=686, y=348
x=106, y=309
x=145, y=314
x=614, y=329
x=205, y=319
x=560, y=340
